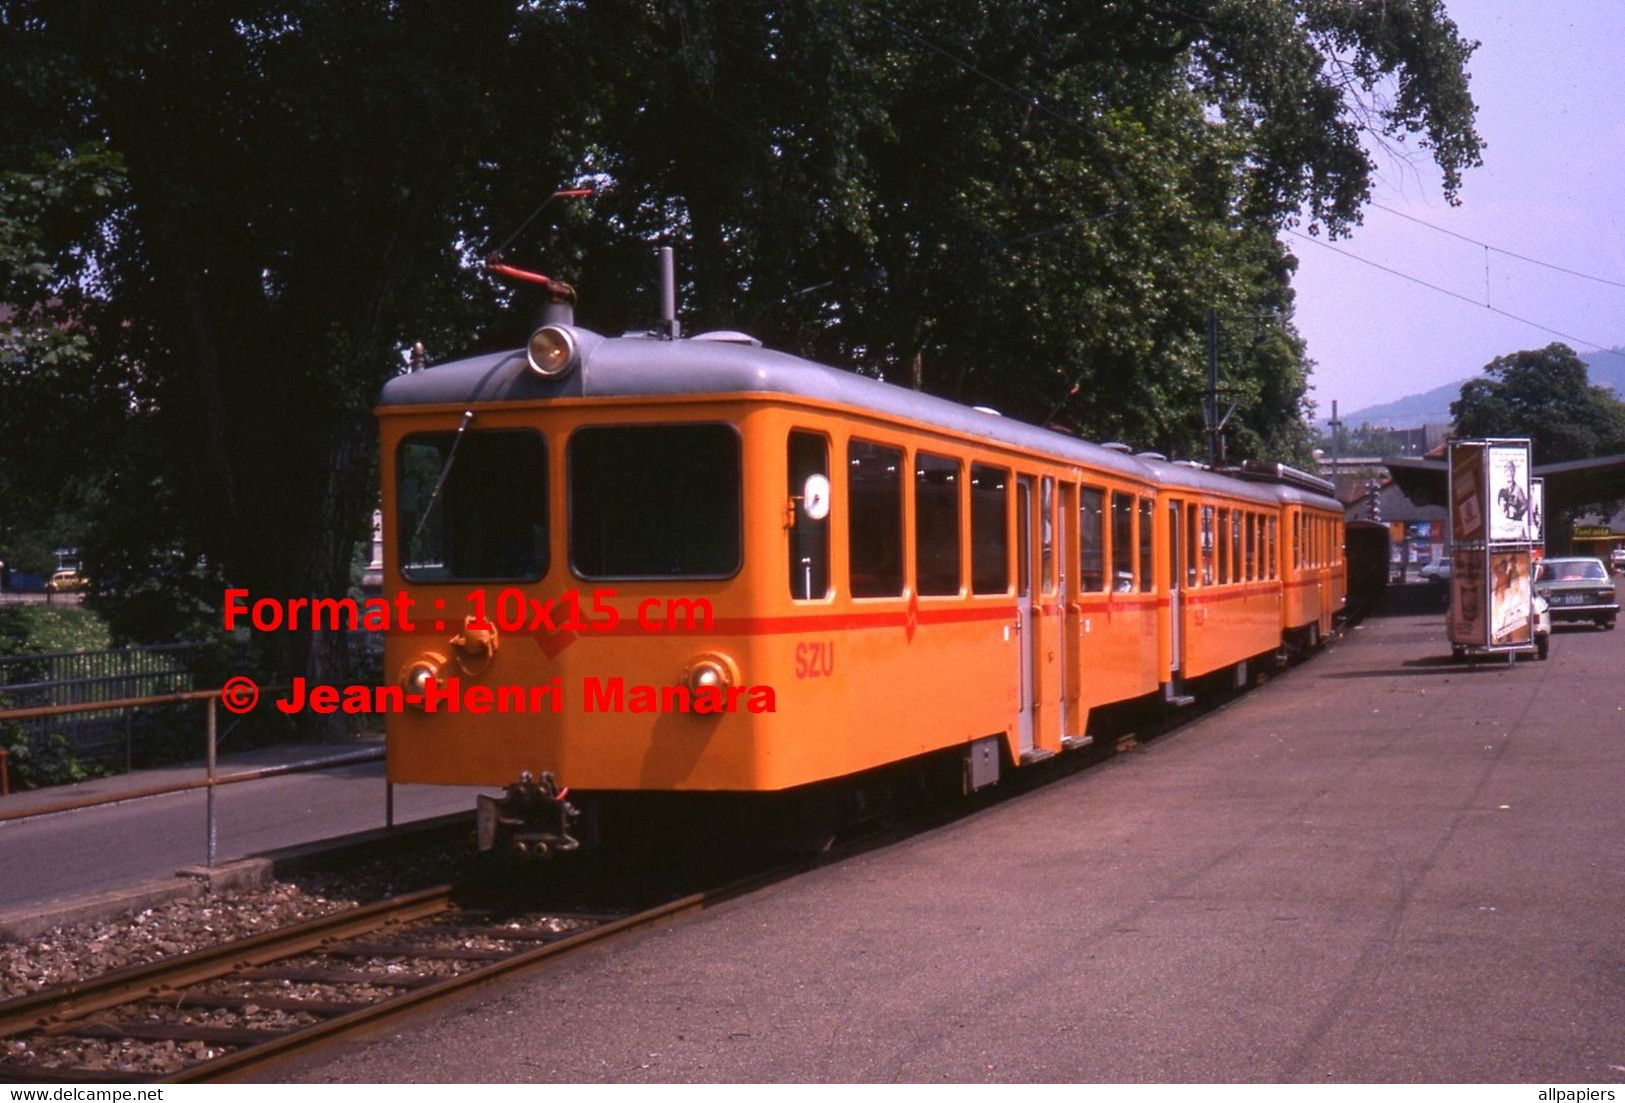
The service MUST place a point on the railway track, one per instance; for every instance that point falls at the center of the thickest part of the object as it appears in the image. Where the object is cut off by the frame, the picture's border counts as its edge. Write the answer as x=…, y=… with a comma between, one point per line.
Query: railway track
x=228, y=1008
x=214, y=1013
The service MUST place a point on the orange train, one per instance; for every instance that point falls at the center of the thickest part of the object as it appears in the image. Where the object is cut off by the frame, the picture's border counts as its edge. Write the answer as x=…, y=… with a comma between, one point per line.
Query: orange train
x=648, y=565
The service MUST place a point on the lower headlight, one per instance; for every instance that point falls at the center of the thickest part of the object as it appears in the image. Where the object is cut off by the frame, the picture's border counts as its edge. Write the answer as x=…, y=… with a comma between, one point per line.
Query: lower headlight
x=710, y=671
x=421, y=676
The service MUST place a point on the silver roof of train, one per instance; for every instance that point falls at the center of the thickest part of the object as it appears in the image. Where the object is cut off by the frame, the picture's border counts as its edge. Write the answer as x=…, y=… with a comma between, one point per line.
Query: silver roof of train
x=635, y=366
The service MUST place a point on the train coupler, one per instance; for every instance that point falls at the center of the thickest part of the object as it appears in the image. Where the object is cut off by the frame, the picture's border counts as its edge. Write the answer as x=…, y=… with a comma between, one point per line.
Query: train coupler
x=532, y=818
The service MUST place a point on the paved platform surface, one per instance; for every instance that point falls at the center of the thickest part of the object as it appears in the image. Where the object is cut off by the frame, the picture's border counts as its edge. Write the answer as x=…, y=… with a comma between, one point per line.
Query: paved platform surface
x=229, y=768
x=1379, y=867
x=62, y=846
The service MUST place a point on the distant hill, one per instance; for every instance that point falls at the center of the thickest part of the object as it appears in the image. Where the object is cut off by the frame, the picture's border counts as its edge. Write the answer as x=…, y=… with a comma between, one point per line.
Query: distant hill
x=1433, y=407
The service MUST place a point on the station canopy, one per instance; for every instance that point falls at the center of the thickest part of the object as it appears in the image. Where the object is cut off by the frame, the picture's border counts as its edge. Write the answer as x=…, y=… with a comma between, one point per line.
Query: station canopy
x=1571, y=485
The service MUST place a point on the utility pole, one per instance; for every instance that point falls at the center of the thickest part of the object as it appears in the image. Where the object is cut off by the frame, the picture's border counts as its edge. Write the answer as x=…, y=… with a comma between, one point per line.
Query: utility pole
x=1213, y=420
x=1335, y=424
x=1215, y=439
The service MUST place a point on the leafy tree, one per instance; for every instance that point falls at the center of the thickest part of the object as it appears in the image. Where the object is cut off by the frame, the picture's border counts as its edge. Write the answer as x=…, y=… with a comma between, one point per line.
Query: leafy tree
x=1057, y=193
x=1365, y=440
x=294, y=180
x=263, y=203
x=50, y=384
x=1546, y=395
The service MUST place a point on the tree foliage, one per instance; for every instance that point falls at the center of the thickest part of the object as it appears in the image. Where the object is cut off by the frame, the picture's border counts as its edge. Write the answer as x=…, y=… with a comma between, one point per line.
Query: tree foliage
x=1546, y=395
x=1366, y=440
x=249, y=209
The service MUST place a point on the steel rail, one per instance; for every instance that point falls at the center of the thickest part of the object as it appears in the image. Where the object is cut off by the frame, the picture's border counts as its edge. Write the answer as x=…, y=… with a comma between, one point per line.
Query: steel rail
x=62, y=1011
x=52, y=1008
x=228, y=1066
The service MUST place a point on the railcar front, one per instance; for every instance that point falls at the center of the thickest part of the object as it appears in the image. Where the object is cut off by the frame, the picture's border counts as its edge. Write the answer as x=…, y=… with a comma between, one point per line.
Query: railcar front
x=701, y=567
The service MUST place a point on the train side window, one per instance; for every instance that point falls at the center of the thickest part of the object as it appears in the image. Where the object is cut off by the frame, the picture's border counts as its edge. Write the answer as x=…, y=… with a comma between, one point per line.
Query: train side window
x=1024, y=536
x=1274, y=560
x=936, y=524
x=1046, y=533
x=1091, y=539
x=1192, y=544
x=1250, y=523
x=809, y=535
x=1147, y=520
x=1209, y=548
x=989, y=531
x=1122, y=543
x=1222, y=550
x=1235, y=546
x=472, y=505
x=874, y=480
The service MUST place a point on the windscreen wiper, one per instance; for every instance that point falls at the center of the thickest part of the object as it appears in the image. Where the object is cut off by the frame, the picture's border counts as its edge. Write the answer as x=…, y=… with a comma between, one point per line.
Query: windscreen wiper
x=440, y=483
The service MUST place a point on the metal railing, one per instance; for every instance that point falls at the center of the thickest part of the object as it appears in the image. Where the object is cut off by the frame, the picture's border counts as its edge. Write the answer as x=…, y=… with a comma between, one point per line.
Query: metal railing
x=120, y=739
x=93, y=678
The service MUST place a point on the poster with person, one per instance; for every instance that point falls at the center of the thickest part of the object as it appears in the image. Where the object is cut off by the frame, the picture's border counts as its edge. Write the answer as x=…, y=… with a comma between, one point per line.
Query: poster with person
x=1510, y=505
x=1511, y=601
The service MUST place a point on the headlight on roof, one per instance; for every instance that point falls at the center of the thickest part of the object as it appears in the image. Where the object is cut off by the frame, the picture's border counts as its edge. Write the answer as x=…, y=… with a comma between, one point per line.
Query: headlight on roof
x=552, y=351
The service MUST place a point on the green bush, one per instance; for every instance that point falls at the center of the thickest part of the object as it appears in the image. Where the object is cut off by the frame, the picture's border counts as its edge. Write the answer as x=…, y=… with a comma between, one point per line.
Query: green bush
x=51, y=761
x=38, y=629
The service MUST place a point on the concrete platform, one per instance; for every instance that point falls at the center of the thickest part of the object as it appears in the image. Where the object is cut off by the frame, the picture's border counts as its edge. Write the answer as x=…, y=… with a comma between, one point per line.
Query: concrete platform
x=91, y=851
x=1380, y=867
x=230, y=769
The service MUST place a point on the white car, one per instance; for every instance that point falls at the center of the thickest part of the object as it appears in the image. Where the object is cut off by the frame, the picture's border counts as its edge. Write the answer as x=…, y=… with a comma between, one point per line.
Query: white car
x=1436, y=571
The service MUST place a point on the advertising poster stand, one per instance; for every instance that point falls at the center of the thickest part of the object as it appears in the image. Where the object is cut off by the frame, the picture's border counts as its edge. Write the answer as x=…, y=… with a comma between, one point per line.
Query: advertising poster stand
x=1495, y=521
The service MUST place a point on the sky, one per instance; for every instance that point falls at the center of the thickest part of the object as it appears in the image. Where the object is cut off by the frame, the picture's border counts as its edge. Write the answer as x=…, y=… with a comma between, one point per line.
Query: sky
x=1549, y=81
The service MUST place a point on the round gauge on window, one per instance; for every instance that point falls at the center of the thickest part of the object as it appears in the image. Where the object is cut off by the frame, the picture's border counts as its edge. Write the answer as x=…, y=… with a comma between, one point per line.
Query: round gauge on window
x=815, y=497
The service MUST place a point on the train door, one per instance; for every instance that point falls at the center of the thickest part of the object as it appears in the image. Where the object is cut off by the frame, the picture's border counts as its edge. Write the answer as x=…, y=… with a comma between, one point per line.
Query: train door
x=1330, y=552
x=1176, y=589
x=1026, y=629
x=1066, y=620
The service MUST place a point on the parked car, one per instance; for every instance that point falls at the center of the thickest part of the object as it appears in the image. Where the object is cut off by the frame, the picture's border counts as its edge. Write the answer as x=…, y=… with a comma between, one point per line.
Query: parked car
x=1543, y=626
x=1619, y=559
x=67, y=581
x=1578, y=589
x=1437, y=571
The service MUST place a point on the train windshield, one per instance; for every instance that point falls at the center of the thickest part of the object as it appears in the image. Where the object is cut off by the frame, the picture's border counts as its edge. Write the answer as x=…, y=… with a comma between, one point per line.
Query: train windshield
x=655, y=501
x=472, y=506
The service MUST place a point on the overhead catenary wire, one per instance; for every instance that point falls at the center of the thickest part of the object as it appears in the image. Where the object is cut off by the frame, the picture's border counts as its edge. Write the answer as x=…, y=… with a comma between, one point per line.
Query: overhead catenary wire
x=1496, y=249
x=1598, y=345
